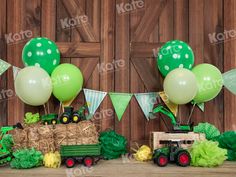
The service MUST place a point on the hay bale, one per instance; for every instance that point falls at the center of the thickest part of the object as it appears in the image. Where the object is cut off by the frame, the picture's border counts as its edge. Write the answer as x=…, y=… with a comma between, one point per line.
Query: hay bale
x=48, y=138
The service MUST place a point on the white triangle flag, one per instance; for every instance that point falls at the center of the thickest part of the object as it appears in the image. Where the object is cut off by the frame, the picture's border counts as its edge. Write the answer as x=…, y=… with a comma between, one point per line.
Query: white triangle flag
x=146, y=101
x=93, y=99
x=15, y=71
x=3, y=66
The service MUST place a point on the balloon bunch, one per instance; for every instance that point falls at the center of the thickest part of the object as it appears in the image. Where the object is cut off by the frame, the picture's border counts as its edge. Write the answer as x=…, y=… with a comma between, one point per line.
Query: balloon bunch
x=43, y=74
x=184, y=83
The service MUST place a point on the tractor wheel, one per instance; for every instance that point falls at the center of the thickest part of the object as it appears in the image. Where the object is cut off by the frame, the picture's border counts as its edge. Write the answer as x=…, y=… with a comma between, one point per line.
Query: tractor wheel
x=70, y=163
x=161, y=160
x=88, y=161
x=183, y=158
x=65, y=119
x=76, y=118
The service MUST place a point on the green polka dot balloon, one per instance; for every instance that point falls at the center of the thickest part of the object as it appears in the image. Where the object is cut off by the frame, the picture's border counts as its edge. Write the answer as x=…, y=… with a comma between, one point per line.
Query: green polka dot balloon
x=41, y=52
x=174, y=54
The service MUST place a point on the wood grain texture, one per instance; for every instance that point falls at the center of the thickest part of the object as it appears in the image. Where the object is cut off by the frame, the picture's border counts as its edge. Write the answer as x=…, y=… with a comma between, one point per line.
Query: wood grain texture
x=180, y=17
x=149, y=20
x=196, y=41
x=229, y=63
x=107, y=57
x=3, y=56
x=74, y=10
x=137, y=120
x=127, y=168
x=79, y=49
x=213, y=23
x=32, y=23
x=16, y=11
x=134, y=37
x=122, y=83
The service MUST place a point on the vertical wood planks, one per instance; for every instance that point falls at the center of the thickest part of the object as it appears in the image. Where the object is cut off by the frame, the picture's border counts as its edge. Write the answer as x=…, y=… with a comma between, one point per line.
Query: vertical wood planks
x=33, y=23
x=229, y=63
x=122, y=73
x=213, y=54
x=107, y=57
x=16, y=23
x=137, y=120
x=196, y=41
x=3, y=55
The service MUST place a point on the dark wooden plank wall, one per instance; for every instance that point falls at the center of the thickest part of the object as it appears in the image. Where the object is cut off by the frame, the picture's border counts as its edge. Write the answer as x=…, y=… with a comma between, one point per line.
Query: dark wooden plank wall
x=130, y=37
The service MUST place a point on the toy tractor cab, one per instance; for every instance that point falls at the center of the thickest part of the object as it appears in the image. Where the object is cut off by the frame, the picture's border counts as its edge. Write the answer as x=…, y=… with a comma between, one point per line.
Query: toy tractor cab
x=69, y=115
x=172, y=152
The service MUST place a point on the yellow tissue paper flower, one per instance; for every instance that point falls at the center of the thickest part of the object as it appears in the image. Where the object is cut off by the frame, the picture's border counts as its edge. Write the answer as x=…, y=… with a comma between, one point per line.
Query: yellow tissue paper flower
x=52, y=160
x=144, y=153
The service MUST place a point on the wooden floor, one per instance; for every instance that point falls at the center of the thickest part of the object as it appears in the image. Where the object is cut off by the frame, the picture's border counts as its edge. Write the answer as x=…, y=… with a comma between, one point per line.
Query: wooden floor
x=129, y=168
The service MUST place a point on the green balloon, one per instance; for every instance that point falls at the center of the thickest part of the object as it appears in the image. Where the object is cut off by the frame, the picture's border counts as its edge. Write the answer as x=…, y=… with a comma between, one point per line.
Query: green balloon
x=180, y=86
x=41, y=52
x=174, y=54
x=67, y=81
x=209, y=80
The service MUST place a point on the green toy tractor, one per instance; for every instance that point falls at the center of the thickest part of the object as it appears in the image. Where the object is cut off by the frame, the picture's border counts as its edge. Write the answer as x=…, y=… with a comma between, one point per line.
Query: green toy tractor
x=176, y=127
x=172, y=152
x=49, y=119
x=5, y=151
x=69, y=115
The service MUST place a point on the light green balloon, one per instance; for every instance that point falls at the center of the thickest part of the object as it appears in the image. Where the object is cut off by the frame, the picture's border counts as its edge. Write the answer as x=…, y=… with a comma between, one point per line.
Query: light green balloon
x=180, y=86
x=67, y=82
x=209, y=80
x=33, y=86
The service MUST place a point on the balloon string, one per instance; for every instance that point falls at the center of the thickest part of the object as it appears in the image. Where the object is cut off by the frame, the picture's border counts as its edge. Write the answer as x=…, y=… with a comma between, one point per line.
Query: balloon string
x=48, y=107
x=59, y=111
x=45, y=110
x=191, y=113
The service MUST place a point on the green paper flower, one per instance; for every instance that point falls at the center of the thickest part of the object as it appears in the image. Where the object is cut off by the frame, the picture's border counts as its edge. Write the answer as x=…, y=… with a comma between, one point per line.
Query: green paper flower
x=208, y=129
x=31, y=118
x=113, y=144
x=26, y=158
x=207, y=154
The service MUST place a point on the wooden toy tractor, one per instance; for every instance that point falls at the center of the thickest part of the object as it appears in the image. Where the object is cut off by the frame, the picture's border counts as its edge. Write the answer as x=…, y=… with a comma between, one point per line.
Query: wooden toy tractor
x=172, y=152
x=5, y=152
x=69, y=115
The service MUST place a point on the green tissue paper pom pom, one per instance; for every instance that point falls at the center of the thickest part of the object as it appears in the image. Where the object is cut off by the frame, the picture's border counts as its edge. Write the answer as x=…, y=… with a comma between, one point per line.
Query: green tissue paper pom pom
x=208, y=129
x=113, y=144
x=207, y=154
x=26, y=158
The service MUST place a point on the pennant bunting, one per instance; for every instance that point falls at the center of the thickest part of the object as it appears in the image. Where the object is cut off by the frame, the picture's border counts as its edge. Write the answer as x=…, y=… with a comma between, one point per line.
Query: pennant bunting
x=120, y=102
x=229, y=80
x=201, y=106
x=172, y=107
x=3, y=66
x=93, y=99
x=146, y=101
x=15, y=71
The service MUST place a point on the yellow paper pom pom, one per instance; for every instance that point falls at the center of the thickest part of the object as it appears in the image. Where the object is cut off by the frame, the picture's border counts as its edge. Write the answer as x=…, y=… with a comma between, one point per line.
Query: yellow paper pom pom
x=144, y=153
x=52, y=160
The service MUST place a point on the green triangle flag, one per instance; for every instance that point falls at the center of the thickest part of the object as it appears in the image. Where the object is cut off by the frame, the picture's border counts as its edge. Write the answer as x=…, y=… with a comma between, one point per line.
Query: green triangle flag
x=229, y=80
x=3, y=66
x=120, y=102
x=201, y=106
